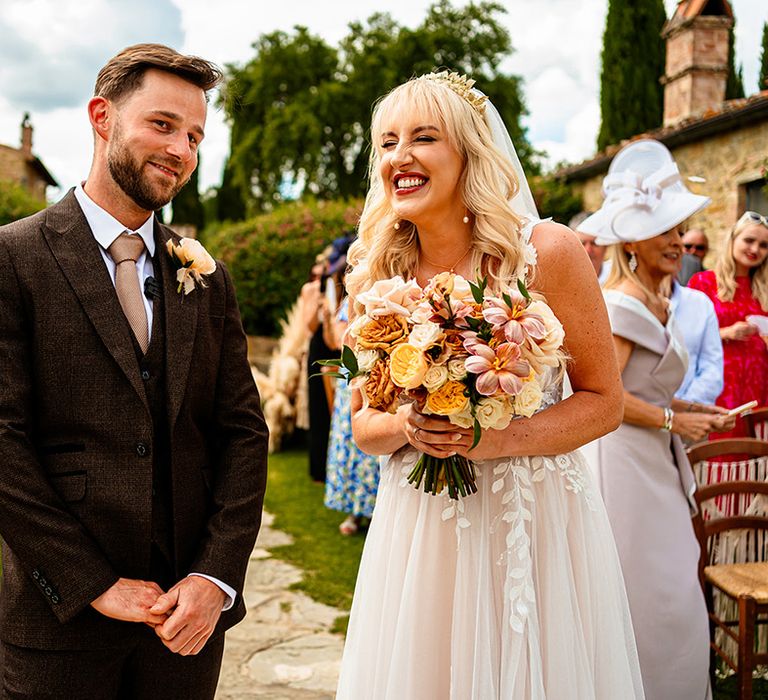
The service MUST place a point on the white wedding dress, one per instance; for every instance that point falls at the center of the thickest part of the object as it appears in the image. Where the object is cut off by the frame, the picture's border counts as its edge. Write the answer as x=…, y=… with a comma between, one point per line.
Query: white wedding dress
x=514, y=593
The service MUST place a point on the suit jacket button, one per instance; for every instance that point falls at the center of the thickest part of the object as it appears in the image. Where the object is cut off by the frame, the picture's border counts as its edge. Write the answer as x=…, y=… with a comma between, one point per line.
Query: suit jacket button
x=142, y=450
x=42, y=582
x=48, y=590
x=145, y=375
x=35, y=574
x=55, y=599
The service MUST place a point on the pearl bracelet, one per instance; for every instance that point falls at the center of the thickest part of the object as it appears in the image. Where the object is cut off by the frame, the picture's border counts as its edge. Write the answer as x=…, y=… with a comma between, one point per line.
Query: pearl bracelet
x=669, y=415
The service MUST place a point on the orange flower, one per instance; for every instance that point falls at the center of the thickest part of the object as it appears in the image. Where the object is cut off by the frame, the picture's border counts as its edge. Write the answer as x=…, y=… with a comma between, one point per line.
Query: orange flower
x=448, y=399
x=381, y=392
x=383, y=332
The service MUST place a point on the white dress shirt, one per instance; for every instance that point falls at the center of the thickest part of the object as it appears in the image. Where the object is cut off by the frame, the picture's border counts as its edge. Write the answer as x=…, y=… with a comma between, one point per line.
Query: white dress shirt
x=696, y=318
x=106, y=229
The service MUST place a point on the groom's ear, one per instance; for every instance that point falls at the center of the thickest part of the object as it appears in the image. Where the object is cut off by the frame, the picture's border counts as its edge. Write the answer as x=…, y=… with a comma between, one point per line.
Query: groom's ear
x=98, y=113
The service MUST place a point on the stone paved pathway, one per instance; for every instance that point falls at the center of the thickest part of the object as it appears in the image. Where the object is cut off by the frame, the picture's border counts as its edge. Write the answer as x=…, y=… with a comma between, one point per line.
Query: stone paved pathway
x=282, y=650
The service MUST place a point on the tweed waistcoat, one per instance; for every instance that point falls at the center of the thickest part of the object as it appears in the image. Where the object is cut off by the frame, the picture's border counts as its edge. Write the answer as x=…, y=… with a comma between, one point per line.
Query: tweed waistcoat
x=153, y=371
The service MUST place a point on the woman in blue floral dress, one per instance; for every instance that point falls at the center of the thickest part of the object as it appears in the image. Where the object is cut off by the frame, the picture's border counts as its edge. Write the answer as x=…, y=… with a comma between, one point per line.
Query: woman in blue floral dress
x=352, y=477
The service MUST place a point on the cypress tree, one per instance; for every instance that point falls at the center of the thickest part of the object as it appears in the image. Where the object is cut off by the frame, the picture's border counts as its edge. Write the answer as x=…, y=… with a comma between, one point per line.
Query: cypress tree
x=631, y=96
x=762, y=82
x=734, y=87
x=187, y=207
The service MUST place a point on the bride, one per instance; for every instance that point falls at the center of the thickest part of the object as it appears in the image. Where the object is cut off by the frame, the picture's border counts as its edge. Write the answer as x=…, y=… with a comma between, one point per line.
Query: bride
x=512, y=592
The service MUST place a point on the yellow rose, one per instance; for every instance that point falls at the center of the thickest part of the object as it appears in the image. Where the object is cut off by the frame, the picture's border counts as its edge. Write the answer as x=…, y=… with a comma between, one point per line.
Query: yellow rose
x=448, y=399
x=380, y=391
x=383, y=332
x=407, y=366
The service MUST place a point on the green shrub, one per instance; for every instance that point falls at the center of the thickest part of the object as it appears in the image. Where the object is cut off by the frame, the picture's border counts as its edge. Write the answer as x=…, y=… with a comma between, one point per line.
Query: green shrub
x=270, y=255
x=16, y=202
x=555, y=197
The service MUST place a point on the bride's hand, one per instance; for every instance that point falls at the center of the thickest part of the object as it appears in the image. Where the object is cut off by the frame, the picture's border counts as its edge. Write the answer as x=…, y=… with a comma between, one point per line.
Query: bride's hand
x=433, y=435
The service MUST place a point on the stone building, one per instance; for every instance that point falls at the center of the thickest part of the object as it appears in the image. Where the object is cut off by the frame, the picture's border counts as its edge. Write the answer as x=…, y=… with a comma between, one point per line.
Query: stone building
x=20, y=165
x=722, y=145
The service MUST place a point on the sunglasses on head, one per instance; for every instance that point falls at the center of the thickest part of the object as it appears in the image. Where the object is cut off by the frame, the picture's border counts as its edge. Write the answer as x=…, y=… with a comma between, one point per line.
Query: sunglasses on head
x=757, y=218
x=695, y=246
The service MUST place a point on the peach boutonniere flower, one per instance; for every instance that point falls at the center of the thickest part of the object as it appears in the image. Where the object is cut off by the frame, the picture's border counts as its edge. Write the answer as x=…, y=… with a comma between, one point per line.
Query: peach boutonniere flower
x=192, y=262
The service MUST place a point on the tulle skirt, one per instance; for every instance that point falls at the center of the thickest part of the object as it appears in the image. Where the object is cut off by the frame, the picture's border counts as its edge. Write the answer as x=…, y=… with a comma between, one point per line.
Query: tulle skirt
x=512, y=593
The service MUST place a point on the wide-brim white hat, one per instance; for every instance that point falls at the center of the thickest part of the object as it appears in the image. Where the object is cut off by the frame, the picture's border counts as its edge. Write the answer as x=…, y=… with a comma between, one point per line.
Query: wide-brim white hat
x=644, y=196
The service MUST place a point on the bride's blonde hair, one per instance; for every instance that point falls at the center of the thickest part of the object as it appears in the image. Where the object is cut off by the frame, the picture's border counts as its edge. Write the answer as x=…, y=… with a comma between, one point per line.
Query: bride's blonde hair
x=486, y=185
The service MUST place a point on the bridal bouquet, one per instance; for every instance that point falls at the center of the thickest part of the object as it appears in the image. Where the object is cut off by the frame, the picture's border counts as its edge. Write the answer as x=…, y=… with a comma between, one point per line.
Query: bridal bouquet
x=457, y=350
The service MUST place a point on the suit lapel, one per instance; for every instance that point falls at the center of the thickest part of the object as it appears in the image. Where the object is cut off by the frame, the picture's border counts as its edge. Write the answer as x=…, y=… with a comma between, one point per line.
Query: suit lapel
x=77, y=253
x=180, y=326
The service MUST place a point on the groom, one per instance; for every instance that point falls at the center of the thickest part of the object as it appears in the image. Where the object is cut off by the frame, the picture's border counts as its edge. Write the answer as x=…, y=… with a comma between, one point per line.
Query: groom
x=132, y=444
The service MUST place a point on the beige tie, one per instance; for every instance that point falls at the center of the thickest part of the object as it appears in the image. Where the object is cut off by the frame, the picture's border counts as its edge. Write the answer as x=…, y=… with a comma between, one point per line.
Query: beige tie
x=125, y=251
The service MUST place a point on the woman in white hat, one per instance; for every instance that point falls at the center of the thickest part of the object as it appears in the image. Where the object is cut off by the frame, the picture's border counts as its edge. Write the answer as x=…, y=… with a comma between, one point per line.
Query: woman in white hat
x=643, y=473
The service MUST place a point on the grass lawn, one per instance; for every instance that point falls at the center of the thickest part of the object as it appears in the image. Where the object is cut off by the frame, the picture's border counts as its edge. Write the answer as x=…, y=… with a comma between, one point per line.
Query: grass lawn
x=328, y=559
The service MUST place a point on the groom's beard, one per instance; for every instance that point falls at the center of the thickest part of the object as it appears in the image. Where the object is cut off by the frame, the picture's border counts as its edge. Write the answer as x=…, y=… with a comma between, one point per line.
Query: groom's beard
x=128, y=173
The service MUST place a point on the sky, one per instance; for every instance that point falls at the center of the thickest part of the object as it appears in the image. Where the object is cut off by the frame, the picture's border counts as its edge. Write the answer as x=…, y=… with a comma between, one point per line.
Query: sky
x=51, y=51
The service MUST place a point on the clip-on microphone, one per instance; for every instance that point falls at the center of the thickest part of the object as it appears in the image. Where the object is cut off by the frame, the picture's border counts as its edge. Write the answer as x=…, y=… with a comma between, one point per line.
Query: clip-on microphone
x=151, y=288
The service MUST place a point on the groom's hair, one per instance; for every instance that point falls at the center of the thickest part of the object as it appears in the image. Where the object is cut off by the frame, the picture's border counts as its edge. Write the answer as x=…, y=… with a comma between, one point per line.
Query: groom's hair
x=124, y=73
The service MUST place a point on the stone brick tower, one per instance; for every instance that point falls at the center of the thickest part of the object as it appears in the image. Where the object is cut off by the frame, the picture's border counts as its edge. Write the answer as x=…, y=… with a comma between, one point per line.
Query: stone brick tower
x=697, y=37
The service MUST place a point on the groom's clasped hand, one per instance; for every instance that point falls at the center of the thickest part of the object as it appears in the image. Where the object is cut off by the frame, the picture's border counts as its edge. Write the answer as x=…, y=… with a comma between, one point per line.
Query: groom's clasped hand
x=184, y=617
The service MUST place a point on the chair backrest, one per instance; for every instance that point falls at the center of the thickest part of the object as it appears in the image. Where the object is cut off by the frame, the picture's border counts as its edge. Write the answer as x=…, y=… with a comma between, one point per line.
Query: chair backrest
x=712, y=528
x=751, y=447
x=757, y=422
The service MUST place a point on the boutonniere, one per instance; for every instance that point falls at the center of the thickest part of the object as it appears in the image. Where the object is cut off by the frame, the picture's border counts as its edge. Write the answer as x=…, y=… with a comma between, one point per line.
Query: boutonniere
x=192, y=261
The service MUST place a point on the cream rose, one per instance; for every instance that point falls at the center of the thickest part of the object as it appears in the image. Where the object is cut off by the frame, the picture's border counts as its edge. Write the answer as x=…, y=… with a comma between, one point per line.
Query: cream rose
x=407, y=366
x=494, y=412
x=456, y=369
x=461, y=290
x=528, y=400
x=435, y=377
x=391, y=296
x=366, y=359
x=358, y=324
x=463, y=418
x=424, y=335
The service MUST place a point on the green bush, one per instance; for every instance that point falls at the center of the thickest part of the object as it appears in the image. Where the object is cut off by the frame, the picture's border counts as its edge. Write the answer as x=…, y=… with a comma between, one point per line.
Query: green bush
x=555, y=197
x=16, y=202
x=270, y=255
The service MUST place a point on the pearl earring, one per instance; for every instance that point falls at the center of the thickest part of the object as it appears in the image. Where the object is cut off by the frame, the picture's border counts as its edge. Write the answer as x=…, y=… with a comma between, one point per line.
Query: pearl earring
x=633, y=262
x=397, y=226
x=465, y=219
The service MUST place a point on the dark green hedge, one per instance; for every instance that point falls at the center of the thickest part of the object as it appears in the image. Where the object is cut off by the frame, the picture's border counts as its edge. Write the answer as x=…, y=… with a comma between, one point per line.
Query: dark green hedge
x=270, y=256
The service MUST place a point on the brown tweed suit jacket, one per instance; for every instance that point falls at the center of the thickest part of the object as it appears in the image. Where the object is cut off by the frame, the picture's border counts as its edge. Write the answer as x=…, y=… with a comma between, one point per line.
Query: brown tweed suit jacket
x=75, y=468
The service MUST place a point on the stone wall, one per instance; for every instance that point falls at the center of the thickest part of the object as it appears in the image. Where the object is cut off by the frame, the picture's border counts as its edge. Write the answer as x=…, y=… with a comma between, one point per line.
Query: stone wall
x=728, y=161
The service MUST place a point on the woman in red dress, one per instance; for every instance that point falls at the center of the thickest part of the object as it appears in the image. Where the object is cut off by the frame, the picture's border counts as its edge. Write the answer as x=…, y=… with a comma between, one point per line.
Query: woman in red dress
x=738, y=287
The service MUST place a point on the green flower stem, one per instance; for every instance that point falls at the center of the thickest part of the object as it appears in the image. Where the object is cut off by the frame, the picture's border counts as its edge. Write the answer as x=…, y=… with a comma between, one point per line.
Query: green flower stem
x=456, y=473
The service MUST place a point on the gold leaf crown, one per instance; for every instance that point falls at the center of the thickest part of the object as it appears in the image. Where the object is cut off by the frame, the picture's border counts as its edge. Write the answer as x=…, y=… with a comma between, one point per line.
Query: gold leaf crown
x=462, y=86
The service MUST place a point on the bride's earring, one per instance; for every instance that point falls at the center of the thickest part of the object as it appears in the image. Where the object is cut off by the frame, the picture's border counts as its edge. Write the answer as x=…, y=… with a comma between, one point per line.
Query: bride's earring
x=466, y=219
x=397, y=226
x=633, y=262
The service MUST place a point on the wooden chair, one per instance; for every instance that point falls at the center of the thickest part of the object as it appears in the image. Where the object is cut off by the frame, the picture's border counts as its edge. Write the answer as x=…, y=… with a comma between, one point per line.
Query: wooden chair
x=745, y=583
x=757, y=422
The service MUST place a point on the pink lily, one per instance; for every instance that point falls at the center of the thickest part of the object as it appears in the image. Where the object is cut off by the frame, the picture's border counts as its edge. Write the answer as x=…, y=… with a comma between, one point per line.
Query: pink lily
x=516, y=322
x=496, y=369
